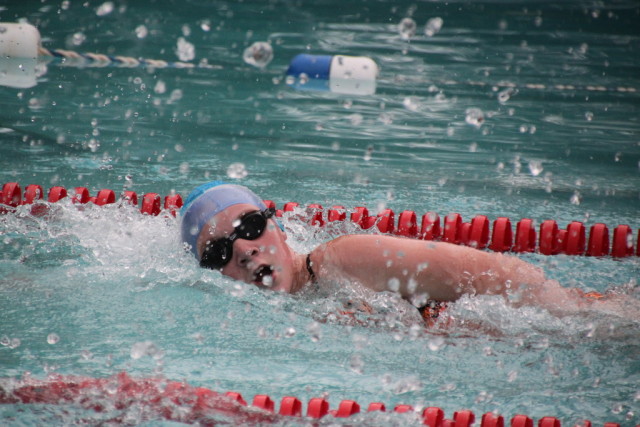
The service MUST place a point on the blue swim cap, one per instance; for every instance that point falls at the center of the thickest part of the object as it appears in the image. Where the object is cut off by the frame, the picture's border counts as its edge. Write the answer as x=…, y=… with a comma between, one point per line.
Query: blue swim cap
x=206, y=201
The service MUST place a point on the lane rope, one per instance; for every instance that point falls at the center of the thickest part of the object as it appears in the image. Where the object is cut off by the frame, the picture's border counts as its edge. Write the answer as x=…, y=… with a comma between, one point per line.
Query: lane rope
x=198, y=404
x=72, y=58
x=479, y=232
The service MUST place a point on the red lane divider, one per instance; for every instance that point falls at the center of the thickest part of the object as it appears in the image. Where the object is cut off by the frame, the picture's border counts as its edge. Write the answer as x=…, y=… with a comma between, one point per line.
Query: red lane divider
x=550, y=240
x=198, y=403
x=11, y=197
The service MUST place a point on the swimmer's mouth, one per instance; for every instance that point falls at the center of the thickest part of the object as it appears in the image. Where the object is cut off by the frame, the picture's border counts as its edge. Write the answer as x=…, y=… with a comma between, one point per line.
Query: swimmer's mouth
x=263, y=275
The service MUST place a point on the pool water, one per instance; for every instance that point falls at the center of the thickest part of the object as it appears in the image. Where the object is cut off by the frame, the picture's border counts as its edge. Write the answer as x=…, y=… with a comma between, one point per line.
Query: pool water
x=100, y=290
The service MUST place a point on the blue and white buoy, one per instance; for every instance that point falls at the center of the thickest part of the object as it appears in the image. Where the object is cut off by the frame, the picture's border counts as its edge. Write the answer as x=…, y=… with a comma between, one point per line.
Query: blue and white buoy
x=354, y=75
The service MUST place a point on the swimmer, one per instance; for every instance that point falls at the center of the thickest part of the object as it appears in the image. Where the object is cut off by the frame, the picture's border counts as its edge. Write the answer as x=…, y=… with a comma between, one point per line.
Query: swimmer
x=228, y=228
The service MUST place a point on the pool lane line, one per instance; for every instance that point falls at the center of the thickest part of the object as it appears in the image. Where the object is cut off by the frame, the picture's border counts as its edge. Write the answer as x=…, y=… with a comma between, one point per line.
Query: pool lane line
x=479, y=232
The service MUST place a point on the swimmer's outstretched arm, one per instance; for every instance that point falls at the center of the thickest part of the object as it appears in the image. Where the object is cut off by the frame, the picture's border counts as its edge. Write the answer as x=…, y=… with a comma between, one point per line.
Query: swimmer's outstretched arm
x=421, y=270
x=440, y=271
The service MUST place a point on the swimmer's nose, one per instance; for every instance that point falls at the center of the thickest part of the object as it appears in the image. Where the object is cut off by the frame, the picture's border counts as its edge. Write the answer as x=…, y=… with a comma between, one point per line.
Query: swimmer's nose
x=246, y=251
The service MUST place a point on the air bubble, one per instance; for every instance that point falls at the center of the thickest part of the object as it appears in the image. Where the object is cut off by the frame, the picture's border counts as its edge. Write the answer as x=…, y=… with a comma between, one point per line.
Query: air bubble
x=237, y=171
x=53, y=338
x=258, y=54
x=433, y=26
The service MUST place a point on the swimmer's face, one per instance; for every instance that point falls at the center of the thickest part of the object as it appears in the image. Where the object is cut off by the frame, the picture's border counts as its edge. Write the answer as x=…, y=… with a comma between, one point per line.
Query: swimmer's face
x=265, y=262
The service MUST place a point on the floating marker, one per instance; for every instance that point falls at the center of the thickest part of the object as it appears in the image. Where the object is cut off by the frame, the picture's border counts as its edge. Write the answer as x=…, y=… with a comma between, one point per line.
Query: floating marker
x=353, y=75
x=19, y=44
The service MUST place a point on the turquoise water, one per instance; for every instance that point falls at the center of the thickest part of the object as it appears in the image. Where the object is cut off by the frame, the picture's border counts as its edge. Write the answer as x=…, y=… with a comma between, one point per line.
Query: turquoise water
x=102, y=290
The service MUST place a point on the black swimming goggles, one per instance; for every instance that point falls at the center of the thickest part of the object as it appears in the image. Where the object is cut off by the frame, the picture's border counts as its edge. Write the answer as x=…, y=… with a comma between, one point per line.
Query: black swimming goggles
x=218, y=253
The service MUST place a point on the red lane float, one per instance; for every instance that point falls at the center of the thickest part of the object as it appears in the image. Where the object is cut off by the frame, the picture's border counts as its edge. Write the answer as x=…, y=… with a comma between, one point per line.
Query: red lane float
x=180, y=402
x=478, y=233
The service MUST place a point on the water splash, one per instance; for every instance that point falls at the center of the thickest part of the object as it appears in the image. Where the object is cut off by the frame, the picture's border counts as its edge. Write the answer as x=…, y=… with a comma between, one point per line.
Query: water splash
x=237, y=171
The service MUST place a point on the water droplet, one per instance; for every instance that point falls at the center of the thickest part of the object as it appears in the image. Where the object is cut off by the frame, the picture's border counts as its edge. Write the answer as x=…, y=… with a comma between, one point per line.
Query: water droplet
x=303, y=78
x=141, y=31
x=290, y=332
x=185, y=51
x=144, y=348
x=505, y=95
x=356, y=363
x=237, y=171
x=105, y=8
x=512, y=376
x=355, y=119
x=77, y=39
x=535, y=167
x=205, y=25
x=435, y=343
x=86, y=354
x=588, y=115
x=160, y=87
x=259, y=54
x=53, y=338
x=433, y=26
x=474, y=117
x=407, y=28
x=393, y=284
x=410, y=103
x=575, y=198
x=385, y=118
x=314, y=330
x=368, y=153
